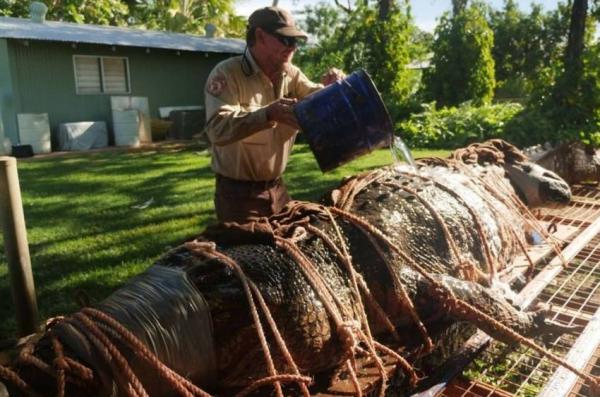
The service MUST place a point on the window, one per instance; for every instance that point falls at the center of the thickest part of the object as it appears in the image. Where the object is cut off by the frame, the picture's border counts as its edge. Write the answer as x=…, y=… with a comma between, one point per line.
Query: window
x=101, y=75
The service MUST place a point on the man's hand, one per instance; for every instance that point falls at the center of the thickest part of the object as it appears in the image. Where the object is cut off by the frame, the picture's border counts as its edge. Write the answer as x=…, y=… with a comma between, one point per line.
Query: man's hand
x=331, y=76
x=282, y=111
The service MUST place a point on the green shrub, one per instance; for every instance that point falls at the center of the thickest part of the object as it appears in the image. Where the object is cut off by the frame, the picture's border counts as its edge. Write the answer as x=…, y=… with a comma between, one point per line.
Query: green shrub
x=556, y=112
x=452, y=127
x=530, y=126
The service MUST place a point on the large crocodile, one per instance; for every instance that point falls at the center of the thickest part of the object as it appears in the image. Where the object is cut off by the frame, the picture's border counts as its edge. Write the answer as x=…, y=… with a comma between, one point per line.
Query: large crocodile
x=395, y=256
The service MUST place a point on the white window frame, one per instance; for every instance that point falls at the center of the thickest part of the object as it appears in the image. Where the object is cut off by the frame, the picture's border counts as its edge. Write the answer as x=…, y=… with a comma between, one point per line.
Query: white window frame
x=103, y=90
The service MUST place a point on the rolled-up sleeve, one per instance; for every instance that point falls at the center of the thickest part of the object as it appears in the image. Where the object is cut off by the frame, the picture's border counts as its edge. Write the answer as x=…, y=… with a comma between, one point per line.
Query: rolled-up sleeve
x=227, y=121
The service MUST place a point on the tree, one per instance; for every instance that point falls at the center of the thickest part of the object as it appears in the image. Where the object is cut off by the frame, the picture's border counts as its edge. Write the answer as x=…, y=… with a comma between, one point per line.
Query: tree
x=575, y=44
x=100, y=12
x=359, y=39
x=458, y=6
x=575, y=100
x=385, y=6
x=526, y=47
x=571, y=93
x=14, y=8
x=569, y=106
x=321, y=21
x=186, y=16
x=189, y=16
x=462, y=67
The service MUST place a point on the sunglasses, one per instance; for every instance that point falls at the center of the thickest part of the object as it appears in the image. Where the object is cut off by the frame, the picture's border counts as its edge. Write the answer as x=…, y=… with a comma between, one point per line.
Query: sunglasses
x=288, y=41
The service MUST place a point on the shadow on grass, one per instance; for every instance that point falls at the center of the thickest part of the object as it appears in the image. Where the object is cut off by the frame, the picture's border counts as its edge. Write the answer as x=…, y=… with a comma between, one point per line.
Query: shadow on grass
x=84, y=229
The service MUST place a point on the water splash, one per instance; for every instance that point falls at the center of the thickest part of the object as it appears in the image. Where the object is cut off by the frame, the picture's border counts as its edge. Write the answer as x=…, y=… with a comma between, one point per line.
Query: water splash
x=401, y=151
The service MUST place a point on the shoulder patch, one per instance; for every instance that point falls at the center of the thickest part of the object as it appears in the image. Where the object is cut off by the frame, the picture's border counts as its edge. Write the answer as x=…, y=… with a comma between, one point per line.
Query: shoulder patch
x=216, y=85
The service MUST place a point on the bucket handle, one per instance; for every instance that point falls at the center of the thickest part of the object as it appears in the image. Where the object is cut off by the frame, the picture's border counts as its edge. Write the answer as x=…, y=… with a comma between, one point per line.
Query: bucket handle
x=358, y=94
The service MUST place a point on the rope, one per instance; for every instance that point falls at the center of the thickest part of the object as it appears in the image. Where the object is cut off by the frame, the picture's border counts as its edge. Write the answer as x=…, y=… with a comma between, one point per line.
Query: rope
x=351, y=365
x=280, y=341
x=503, y=194
x=362, y=285
x=516, y=236
x=26, y=356
x=82, y=373
x=346, y=330
x=508, y=198
x=317, y=285
x=344, y=196
x=60, y=364
x=97, y=334
x=497, y=151
x=289, y=229
x=401, y=293
x=15, y=379
x=178, y=382
x=347, y=260
x=132, y=384
x=455, y=304
x=444, y=226
x=209, y=250
x=484, y=238
x=284, y=378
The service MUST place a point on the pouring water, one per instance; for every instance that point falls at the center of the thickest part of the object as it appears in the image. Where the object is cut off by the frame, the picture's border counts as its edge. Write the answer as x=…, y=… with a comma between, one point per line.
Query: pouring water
x=401, y=152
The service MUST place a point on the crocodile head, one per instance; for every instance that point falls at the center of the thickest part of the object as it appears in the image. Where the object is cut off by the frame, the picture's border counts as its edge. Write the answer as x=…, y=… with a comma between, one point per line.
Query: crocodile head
x=536, y=185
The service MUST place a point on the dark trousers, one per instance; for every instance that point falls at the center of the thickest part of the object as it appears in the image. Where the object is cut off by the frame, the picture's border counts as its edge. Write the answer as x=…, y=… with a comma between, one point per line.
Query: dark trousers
x=239, y=201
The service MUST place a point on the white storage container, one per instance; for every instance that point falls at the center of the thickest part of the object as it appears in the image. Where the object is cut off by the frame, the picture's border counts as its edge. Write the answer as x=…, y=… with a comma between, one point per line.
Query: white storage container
x=34, y=130
x=82, y=135
x=123, y=118
x=126, y=126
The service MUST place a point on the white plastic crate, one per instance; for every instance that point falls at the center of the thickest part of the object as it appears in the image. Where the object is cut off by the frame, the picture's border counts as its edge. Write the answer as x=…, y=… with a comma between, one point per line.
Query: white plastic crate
x=123, y=108
x=126, y=126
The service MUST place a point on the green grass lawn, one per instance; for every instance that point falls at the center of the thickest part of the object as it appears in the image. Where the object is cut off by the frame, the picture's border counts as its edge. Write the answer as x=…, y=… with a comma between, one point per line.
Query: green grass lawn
x=85, y=233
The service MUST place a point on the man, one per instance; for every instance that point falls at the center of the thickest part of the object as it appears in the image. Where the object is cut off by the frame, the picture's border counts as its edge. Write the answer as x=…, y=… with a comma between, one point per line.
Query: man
x=250, y=121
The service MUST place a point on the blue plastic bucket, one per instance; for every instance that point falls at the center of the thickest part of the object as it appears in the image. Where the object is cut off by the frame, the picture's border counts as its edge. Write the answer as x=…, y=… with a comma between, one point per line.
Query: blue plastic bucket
x=344, y=120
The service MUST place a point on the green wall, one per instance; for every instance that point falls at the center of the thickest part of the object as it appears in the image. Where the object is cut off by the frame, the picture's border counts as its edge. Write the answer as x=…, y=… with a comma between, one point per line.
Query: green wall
x=8, y=97
x=42, y=80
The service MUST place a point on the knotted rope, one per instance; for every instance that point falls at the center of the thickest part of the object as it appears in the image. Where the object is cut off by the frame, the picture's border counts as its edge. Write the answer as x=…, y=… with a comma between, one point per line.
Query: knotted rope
x=209, y=250
x=103, y=332
x=286, y=231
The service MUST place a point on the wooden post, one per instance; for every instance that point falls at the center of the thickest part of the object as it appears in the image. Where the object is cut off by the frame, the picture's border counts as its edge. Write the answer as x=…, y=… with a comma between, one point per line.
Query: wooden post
x=16, y=247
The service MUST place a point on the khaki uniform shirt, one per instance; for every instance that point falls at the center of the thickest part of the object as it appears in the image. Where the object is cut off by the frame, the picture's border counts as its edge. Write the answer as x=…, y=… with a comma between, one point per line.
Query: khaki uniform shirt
x=244, y=145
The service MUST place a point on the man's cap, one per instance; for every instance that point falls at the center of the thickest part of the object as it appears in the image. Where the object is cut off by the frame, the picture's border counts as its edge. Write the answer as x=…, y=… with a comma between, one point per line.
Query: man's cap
x=275, y=20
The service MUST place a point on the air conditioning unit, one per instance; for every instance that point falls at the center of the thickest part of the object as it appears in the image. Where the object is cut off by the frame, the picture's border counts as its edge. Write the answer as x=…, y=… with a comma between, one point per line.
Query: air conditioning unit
x=34, y=130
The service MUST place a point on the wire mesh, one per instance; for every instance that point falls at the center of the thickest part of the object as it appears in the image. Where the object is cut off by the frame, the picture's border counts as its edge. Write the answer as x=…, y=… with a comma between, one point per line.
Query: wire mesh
x=593, y=368
x=572, y=297
x=583, y=209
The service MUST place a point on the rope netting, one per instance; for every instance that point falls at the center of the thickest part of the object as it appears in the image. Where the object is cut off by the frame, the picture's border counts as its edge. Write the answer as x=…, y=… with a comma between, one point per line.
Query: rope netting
x=105, y=333
x=286, y=231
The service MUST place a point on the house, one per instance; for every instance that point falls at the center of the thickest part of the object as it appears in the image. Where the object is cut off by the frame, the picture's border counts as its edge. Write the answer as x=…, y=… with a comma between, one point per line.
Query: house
x=70, y=71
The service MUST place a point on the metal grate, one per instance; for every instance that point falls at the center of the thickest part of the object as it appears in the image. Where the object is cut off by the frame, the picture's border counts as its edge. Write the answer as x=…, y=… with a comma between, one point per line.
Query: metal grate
x=593, y=368
x=583, y=209
x=574, y=294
